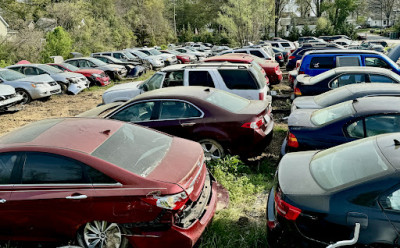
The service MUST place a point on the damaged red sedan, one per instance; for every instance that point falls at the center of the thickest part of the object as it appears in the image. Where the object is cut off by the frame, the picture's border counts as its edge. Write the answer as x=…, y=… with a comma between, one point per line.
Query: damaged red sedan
x=103, y=183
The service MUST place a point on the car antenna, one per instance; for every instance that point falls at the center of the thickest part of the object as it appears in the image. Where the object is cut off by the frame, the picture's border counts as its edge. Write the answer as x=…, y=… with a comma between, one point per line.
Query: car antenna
x=396, y=142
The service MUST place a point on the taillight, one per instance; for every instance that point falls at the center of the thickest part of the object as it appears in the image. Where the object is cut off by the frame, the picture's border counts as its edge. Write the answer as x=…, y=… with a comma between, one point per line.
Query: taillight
x=172, y=202
x=284, y=209
x=292, y=57
x=279, y=56
x=254, y=124
x=292, y=141
x=277, y=69
x=292, y=50
x=261, y=96
x=266, y=80
x=297, y=91
x=301, y=72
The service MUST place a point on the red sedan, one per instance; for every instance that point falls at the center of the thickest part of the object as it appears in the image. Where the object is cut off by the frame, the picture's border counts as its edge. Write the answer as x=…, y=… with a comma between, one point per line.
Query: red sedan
x=182, y=57
x=95, y=76
x=271, y=68
x=103, y=183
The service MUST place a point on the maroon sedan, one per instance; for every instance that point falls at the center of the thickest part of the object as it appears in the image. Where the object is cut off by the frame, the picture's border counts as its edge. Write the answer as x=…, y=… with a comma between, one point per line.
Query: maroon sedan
x=218, y=120
x=95, y=76
x=103, y=183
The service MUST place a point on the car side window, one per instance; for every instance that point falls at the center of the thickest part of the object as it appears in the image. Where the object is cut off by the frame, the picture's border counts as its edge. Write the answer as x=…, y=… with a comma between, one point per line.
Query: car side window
x=322, y=63
x=380, y=124
x=31, y=71
x=257, y=53
x=97, y=177
x=136, y=112
x=102, y=59
x=238, y=79
x=391, y=201
x=173, y=78
x=82, y=63
x=356, y=129
x=348, y=79
x=90, y=64
x=376, y=62
x=178, y=110
x=118, y=55
x=74, y=63
x=44, y=168
x=154, y=82
x=107, y=54
x=200, y=78
x=375, y=78
x=7, y=162
x=40, y=71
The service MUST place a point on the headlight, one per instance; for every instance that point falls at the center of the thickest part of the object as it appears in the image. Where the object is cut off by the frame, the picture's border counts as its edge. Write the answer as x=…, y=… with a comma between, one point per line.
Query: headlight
x=96, y=75
x=116, y=69
x=37, y=85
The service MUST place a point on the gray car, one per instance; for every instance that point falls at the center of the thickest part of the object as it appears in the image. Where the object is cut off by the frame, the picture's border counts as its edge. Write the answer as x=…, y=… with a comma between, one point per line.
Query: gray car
x=8, y=98
x=68, y=81
x=30, y=88
x=155, y=61
x=115, y=72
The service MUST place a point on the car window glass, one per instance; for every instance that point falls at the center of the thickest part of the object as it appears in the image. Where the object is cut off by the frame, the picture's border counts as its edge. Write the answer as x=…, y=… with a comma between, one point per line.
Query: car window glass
x=42, y=168
x=356, y=129
x=118, y=55
x=348, y=79
x=90, y=64
x=178, y=110
x=392, y=201
x=107, y=54
x=380, y=124
x=7, y=162
x=31, y=71
x=257, y=53
x=154, y=82
x=82, y=63
x=102, y=59
x=174, y=78
x=200, y=78
x=97, y=177
x=238, y=79
x=375, y=78
x=338, y=111
x=135, y=113
x=74, y=63
x=60, y=67
x=376, y=62
x=322, y=63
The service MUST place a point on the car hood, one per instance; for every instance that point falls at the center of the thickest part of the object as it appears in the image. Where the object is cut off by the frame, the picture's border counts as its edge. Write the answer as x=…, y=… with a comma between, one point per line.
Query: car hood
x=122, y=92
x=64, y=75
x=90, y=71
x=305, y=102
x=127, y=86
x=153, y=57
x=110, y=67
x=6, y=90
x=38, y=79
x=303, y=79
x=301, y=118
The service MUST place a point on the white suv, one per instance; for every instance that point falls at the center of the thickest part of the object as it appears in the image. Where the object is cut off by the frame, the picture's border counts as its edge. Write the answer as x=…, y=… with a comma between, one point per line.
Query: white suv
x=242, y=79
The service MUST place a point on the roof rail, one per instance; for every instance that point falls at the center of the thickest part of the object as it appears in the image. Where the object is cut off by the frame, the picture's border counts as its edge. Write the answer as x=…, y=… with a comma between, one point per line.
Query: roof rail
x=222, y=64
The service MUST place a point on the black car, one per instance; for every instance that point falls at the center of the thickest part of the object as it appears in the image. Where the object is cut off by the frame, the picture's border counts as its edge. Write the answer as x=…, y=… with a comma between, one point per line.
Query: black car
x=347, y=192
x=285, y=54
x=134, y=69
x=345, y=93
x=309, y=86
x=311, y=129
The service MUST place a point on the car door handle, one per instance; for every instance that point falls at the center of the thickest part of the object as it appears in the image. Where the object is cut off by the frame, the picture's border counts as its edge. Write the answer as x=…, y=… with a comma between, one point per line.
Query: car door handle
x=188, y=124
x=3, y=200
x=76, y=197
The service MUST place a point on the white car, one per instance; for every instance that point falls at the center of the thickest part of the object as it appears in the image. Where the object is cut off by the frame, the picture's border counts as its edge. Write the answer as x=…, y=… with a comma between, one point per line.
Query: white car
x=169, y=59
x=244, y=80
x=8, y=98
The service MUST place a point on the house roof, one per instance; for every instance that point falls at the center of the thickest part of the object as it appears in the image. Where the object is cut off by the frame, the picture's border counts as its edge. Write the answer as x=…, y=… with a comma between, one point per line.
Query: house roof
x=2, y=20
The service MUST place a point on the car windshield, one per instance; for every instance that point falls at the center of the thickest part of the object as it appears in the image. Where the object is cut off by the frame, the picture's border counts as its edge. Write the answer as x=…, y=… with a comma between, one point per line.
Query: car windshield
x=332, y=113
x=347, y=163
x=173, y=52
x=129, y=55
x=97, y=62
x=154, y=82
x=70, y=67
x=140, y=54
x=10, y=75
x=331, y=97
x=146, y=52
x=284, y=44
x=49, y=69
x=322, y=76
x=155, y=52
x=115, y=60
x=227, y=101
x=136, y=149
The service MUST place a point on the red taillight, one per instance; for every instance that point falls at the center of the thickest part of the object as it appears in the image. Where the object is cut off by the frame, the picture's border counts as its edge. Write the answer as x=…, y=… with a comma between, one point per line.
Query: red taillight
x=297, y=91
x=298, y=63
x=279, y=56
x=261, y=96
x=292, y=57
x=301, y=72
x=266, y=80
x=172, y=202
x=277, y=69
x=292, y=141
x=254, y=124
x=292, y=50
x=284, y=209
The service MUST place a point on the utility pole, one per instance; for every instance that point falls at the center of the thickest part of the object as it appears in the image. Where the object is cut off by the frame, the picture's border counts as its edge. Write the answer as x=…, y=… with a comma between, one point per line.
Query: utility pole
x=174, y=2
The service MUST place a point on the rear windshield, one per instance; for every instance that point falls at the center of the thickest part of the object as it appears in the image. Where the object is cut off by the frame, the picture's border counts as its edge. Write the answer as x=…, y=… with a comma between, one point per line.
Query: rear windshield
x=136, y=149
x=285, y=44
x=239, y=79
x=332, y=113
x=333, y=96
x=347, y=163
x=227, y=101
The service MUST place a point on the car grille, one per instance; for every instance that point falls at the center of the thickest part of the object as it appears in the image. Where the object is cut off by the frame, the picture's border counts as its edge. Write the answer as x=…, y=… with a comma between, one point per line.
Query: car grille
x=5, y=97
x=54, y=91
x=52, y=83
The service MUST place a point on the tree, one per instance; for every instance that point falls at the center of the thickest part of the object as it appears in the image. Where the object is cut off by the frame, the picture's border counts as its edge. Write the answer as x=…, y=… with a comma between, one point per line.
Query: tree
x=338, y=11
x=278, y=8
x=58, y=43
x=324, y=27
x=304, y=7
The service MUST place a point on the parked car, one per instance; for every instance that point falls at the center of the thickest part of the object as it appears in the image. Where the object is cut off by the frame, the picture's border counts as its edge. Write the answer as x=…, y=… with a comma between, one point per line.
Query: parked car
x=183, y=58
x=218, y=49
x=310, y=129
x=154, y=62
x=123, y=56
x=8, y=98
x=348, y=192
x=29, y=88
x=169, y=59
x=115, y=72
x=68, y=81
x=279, y=56
x=103, y=177
x=306, y=39
x=221, y=122
x=345, y=93
x=95, y=76
x=259, y=51
x=241, y=79
x=188, y=50
x=309, y=86
x=133, y=69
x=283, y=45
x=271, y=68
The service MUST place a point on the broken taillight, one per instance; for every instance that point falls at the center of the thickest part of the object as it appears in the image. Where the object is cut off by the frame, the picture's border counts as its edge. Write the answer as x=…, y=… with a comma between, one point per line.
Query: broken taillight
x=292, y=57
x=254, y=125
x=279, y=56
x=292, y=141
x=284, y=209
x=277, y=69
x=172, y=202
x=297, y=91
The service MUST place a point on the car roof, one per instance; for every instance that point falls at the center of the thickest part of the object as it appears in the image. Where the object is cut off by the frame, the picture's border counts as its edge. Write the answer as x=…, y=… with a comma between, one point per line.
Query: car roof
x=379, y=104
x=79, y=134
x=238, y=58
x=79, y=58
x=343, y=51
x=178, y=92
x=220, y=65
x=374, y=88
x=362, y=69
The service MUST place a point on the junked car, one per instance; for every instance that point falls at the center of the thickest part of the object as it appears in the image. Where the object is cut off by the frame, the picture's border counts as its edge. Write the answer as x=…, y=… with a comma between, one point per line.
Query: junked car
x=221, y=122
x=169, y=59
x=133, y=69
x=68, y=81
x=8, y=98
x=29, y=88
x=199, y=55
x=155, y=62
x=104, y=184
x=183, y=58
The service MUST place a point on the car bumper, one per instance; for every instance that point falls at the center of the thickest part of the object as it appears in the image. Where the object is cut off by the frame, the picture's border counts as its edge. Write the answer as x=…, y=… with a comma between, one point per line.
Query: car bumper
x=103, y=81
x=5, y=104
x=177, y=236
x=75, y=88
x=172, y=62
x=40, y=92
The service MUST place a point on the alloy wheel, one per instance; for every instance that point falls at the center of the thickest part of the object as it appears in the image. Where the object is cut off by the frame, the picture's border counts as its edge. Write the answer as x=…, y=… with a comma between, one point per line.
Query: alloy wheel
x=101, y=234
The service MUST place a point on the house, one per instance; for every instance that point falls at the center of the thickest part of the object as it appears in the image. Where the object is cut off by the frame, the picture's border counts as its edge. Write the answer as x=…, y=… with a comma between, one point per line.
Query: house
x=3, y=27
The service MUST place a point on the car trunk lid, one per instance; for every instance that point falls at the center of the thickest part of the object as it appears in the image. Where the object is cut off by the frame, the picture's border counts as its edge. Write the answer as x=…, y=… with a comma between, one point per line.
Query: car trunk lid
x=301, y=118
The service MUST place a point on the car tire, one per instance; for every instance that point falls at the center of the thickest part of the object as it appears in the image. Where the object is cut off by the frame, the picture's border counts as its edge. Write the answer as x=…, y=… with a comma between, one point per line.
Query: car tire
x=104, y=233
x=64, y=88
x=151, y=67
x=26, y=98
x=212, y=149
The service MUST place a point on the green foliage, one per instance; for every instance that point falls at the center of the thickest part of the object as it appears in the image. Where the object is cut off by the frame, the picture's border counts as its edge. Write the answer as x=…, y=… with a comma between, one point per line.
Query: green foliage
x=307, y=31
x=294, y=34
x=338, y=11
x=324, y=27
x=58, y=43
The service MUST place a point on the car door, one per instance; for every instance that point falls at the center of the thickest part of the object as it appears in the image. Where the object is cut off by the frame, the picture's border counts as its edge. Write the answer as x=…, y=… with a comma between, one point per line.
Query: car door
x=346, y=79
x=141, y=113
x=8, y=162
x=51, y=197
